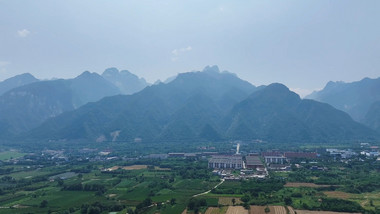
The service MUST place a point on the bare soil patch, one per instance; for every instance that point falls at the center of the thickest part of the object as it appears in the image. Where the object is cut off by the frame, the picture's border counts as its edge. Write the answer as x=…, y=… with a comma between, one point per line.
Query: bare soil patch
x=19, y=206
x=236, y=210
x=134, y=167
x=163, y=169
x=338, y=194
x=216, y=210
x=272, y=210
x=260, y=210
x=320, y=212
x=228, y=201
x=304, y=185
x=291, y=210
x=278, y=209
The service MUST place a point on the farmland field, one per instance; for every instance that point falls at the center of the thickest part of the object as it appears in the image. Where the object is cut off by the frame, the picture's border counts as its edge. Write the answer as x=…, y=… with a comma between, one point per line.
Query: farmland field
x=228, y=200
x=319, y=212
x=272, y=210
x=216, y=210
x=338, y=194
x=134, y=167
x=236, y=210
x=10, y=154
x=304, y=185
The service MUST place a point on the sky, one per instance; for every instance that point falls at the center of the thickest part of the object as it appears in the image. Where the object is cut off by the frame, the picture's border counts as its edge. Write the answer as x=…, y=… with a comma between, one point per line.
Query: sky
x=302, y=44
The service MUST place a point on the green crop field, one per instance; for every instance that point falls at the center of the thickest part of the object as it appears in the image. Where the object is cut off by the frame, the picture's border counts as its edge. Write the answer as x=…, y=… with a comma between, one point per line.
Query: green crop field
x=10, y=155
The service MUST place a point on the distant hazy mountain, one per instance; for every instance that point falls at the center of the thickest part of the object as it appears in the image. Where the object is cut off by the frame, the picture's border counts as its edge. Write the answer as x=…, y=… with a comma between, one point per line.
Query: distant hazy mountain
x=372, y=118
x=354, y=98
x=16, y=81
x=127, y=82
x=90, y=87
x=178, y=110
x=279, y=115
x=27, y=106
x=207, y=105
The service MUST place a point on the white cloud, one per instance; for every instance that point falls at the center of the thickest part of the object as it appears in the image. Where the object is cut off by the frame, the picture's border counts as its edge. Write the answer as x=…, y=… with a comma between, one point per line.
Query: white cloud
x=4, y=63
x=23, y=33
x=177, y=52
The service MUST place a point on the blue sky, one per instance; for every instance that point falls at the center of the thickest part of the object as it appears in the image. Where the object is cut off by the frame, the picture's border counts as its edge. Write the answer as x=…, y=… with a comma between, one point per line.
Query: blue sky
x=302, y=44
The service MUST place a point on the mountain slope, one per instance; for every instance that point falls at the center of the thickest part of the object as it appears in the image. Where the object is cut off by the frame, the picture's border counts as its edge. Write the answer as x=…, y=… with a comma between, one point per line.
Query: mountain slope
x=159, y=112
x=124, y=80
x=278, y=115
x=26, y=107
x=16, y=81
x=354, y=98
x=372, y=118
x=195, y=106
x=90, y=87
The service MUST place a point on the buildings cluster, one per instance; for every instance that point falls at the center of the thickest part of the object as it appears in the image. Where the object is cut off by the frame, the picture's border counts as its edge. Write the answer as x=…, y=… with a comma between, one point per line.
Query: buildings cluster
x=272, y=160
x=370, y=152
x=341, y=153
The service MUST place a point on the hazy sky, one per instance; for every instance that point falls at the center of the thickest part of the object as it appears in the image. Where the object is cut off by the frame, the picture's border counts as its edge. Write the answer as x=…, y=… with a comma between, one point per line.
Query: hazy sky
x=302, y=44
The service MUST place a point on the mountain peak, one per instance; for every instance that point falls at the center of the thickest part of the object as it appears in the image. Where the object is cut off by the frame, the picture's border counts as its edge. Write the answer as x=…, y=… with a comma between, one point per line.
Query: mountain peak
x=355, y=98
x=16, y=81
x=278, y=87
x=87, y=74
x=213, y=69
x=25, y=75
x=127, y=82
x=277, y=92
x=110, y=72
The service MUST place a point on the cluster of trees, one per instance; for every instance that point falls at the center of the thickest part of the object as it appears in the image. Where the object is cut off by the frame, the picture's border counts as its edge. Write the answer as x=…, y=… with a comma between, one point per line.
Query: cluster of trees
x=256, y=186
x=156, y=186
x=195, y=204
x=141, y=206
x=87, y=187
x=4, y=171
x=340, y=205
x=360, y=175
x=251, y=187
x=98, y=208
x=11, y=184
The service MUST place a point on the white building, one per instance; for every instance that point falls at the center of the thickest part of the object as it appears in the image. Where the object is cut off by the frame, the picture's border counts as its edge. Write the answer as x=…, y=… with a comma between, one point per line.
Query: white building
x=275, y=159
x=226, y=162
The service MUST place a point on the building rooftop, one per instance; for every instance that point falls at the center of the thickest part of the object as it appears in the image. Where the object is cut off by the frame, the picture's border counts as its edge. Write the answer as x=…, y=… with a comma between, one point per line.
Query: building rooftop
x=253, y=160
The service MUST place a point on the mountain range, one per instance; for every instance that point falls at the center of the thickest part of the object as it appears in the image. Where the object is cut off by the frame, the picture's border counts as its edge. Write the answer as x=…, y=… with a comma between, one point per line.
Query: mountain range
x=359, y=99
x=124, y=80
x=206, y=105
x=372, y=118
x=26, y=102
x=354, y=98
x=16, y=81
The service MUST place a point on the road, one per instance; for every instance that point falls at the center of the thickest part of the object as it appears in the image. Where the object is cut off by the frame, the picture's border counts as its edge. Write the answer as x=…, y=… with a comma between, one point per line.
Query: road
x=204, y=193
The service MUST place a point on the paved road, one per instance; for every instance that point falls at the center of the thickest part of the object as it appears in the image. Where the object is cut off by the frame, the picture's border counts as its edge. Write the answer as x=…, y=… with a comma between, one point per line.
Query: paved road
x=204, y=193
